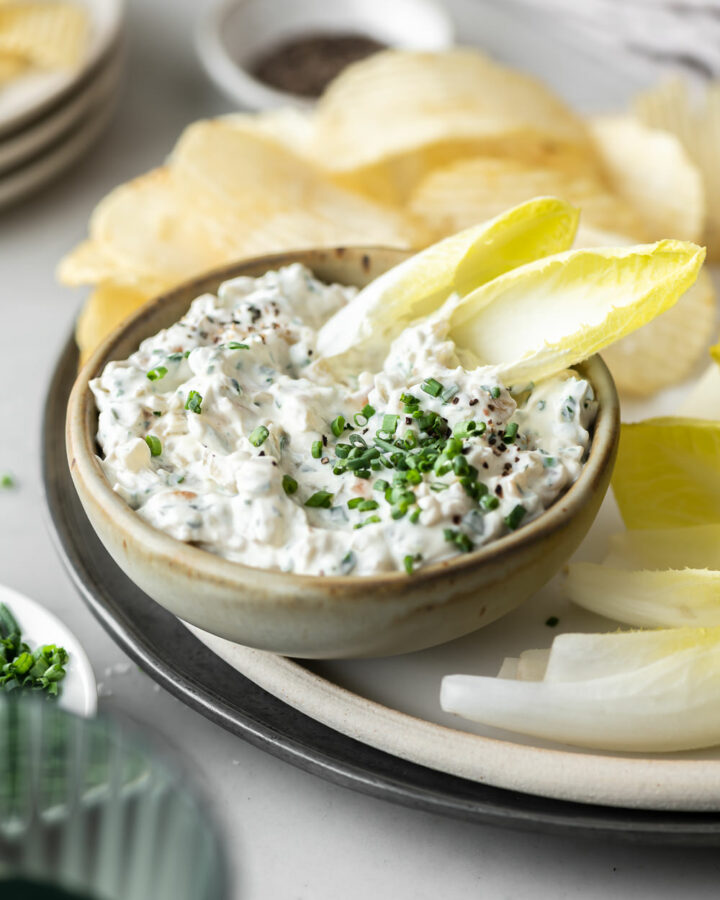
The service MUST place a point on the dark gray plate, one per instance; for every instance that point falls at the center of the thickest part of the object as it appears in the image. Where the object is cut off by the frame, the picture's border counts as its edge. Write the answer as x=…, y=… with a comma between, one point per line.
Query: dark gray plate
x=167, y=651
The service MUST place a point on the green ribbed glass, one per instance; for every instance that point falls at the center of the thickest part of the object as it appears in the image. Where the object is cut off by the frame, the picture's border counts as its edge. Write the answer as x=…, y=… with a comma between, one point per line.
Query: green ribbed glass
x=88, y=806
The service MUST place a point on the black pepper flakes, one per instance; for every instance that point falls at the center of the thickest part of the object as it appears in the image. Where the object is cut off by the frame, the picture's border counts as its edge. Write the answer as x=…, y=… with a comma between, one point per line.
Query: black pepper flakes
x=473, y=402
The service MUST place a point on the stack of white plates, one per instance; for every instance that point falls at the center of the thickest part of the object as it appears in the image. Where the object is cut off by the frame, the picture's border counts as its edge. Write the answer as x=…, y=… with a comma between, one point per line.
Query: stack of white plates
x=48, y=120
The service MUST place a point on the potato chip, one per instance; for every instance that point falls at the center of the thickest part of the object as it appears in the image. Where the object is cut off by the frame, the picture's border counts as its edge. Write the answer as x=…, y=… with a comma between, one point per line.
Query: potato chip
x=146, y=226
x=105, y=309
x=11, y=66
x=472, y=190
x=396, y=106
x=696, y=122
x=667, y=350
x=50, y=35
x=652, y=172
x=241, y=180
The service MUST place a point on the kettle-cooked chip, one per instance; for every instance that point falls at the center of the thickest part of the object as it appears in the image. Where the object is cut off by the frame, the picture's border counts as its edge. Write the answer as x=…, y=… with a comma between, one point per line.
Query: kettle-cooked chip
x=400, y=103
x=241, y=180
x=696, y=122
x=148, y=227
x=51, y=35
x=473, y=190
x=650, y=169
x=105, y=309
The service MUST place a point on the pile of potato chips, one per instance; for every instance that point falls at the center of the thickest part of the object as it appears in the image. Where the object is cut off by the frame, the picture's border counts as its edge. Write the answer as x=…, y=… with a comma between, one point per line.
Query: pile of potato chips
x=403, y=149
x=36, y=35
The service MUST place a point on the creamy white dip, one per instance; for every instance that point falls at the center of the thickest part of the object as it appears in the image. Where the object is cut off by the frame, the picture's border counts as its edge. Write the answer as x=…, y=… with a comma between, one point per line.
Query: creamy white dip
x=222, y=431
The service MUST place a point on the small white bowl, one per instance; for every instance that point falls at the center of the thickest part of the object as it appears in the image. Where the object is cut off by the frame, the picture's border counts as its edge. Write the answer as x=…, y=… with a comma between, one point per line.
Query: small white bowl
x=235, y=32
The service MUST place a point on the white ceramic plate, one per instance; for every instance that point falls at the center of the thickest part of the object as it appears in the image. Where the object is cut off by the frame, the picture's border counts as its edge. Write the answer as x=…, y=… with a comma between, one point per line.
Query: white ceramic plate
x=78, y=692
x=31, y=95
x=36, y=137
x=27, y=179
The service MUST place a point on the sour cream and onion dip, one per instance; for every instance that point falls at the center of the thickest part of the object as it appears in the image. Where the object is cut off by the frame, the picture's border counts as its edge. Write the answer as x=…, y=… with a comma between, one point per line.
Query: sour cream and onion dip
x=224, y=432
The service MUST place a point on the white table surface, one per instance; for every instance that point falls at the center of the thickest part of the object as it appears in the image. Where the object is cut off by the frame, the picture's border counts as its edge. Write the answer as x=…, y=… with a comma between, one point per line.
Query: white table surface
x=288, y=834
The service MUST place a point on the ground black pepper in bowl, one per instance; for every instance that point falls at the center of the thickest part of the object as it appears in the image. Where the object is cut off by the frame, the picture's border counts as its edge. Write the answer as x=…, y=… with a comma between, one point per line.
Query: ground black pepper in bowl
x=305, y=65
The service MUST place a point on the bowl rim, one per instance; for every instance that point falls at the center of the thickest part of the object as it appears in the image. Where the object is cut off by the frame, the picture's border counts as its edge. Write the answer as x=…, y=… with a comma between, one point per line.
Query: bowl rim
x=85, y=465
x=237, y=82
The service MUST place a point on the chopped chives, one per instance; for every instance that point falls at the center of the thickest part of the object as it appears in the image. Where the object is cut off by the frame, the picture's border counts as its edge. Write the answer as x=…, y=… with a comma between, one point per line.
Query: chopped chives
x=409, y=562
x=355, y=502
x=258, y=436
x=495, y=393
x=337, y=425
x=431, y=386
x=488, y=502
x=316, y=449
x=465, y=429
x=371, y=520
x=449, y=392
x=235, y=345
x=515, y=517
x=510, y=433
x=367, y=505
x=381, y=485
x=322, y=499
x=368, y=411
x=7, y=482
x=341, y=450
x=154, y=444
x=289, y=484
x=194, y=402
x=360, y=420
x=415, y=516
x=389, y=423
x=156, y=374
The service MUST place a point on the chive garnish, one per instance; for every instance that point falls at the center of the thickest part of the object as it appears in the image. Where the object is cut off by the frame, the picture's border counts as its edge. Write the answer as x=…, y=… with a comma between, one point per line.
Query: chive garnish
x=289, y=484
x=316, y=449
x=194, y=402
x=258, y=436
x=389, y=424
x=322, y=499
x=489, y=502
x=371, y=520
x=515, y=517
x=381, y=485
x=495, y=393
x=235, y=345
x=7, y=482
x=337, y=425
x=156, y=374
x=431, y=386
x=154, y=444
x=510, y=433
x=409, y=562
x=368, y=411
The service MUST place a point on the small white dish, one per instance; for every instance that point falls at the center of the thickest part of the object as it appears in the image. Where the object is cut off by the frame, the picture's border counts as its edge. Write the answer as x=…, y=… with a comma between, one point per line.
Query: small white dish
x=27, y=179
x=38, y=136
x=30, y=96
x=234, y=33
x=78, y=692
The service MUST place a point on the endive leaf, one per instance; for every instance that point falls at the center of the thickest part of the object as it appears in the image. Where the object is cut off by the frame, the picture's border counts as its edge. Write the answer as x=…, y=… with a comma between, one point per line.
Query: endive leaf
x=667, y=473
x=541, y=318
x=696, y=547
x=663, y=704
x=460, y=263
x=670, y=597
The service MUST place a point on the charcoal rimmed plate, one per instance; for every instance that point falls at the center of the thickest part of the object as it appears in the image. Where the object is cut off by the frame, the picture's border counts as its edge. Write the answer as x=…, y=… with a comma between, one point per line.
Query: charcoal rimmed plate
x=175, y=658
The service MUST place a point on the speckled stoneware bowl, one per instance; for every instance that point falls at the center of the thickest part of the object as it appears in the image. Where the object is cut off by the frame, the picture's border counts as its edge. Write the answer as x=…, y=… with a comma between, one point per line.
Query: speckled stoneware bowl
x=310, y=615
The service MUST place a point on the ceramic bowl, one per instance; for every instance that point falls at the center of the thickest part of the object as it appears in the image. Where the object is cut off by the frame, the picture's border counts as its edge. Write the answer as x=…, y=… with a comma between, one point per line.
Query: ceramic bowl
x=310, y=615
x=232, y=35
